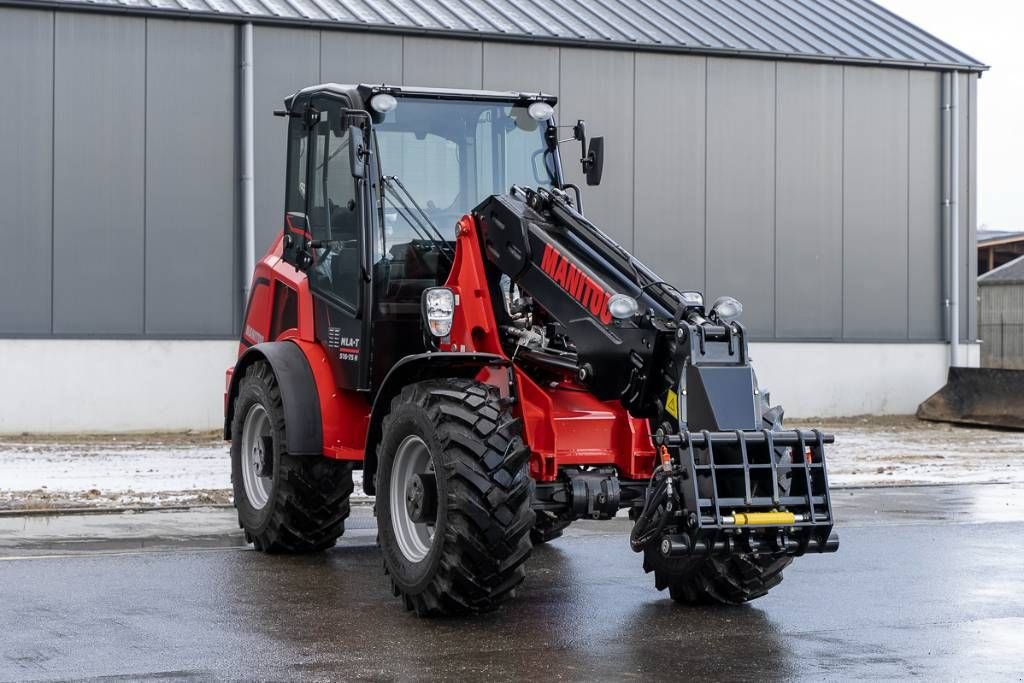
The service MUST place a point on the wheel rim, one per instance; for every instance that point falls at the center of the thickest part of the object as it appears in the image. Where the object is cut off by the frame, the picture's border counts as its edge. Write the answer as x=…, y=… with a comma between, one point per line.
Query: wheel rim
x=411, y=459
x=257, y=457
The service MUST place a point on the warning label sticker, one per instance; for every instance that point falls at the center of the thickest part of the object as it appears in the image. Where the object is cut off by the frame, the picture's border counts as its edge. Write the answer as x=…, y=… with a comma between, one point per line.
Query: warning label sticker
x=672, y=404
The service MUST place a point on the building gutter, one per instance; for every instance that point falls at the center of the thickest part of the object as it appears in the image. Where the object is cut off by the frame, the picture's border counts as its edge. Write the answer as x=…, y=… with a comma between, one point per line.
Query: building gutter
x=248, y=208
x=951, y=211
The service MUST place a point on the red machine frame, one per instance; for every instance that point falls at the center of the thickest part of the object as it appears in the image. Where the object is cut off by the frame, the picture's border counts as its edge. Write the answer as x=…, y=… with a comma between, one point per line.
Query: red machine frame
x=563, y=425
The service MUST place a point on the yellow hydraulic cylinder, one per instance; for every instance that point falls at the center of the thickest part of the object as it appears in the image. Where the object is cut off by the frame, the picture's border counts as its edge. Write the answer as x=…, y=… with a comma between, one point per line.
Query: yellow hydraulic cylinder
x=764, y=518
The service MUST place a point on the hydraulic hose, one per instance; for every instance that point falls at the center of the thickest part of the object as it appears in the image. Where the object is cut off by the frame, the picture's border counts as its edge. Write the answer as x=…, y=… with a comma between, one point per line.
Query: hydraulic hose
x=644, y=531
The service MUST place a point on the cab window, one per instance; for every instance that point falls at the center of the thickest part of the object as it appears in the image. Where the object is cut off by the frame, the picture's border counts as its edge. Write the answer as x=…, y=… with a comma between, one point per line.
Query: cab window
x=333, y=210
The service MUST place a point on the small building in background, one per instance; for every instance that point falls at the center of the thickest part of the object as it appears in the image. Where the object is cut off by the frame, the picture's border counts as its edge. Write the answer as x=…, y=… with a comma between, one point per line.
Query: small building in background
x=998, y=247
x=1001, y=314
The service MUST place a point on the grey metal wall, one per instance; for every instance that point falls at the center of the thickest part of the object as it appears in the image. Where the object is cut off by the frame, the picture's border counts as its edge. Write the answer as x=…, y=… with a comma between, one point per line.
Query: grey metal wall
x=117, y=176
x=811, y=192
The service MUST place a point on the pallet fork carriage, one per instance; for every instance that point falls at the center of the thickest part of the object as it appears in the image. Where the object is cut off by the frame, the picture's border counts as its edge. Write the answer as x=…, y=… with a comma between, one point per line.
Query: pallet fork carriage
x=439, y=313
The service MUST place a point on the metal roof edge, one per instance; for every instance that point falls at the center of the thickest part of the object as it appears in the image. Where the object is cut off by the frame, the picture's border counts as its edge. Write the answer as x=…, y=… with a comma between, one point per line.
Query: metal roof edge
x=985, y=277
x=560, y=41
x=1002, y=239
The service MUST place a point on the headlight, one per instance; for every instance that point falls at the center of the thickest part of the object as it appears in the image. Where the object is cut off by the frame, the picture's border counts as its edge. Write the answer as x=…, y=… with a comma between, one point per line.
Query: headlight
x=383, y=102
x=692, y=299
x=541, y=111
x=622, y=306
x=438, y=310
x=726, y=308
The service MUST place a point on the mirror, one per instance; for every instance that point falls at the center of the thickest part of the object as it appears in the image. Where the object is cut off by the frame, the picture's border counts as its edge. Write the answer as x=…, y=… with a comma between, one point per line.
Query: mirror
x=593, y=163
x=356, y=152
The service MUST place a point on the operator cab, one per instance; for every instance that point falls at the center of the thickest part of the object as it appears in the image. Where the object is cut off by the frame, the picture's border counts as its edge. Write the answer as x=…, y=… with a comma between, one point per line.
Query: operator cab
x=378, y=177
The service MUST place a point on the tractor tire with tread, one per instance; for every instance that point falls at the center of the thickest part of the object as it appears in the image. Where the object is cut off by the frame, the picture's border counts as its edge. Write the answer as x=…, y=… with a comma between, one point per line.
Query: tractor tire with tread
x=308, y=498
x=480, y=538
x=729, y=579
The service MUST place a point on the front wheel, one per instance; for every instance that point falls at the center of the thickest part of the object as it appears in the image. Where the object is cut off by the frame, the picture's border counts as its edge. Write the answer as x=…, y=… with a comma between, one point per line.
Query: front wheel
x=731, y=579
x=453, y=503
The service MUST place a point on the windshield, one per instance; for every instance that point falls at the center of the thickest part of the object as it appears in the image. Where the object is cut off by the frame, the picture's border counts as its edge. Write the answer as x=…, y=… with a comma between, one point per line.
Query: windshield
x=451, y=154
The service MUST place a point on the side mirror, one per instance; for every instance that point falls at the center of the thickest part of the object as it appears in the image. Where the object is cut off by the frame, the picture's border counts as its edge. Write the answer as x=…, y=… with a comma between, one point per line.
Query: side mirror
x=593, y=163
x=593, y=156
x=357, y=152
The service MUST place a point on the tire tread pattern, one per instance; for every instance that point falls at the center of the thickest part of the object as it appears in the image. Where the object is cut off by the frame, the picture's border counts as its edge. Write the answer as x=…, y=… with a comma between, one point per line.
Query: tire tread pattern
x=311, y=500
x=489, y=517
x=730, y=579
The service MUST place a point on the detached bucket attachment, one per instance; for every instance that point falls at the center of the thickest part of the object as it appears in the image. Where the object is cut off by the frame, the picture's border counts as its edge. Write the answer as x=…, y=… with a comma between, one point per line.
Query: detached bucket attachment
x=978, y=396
x=755, y=491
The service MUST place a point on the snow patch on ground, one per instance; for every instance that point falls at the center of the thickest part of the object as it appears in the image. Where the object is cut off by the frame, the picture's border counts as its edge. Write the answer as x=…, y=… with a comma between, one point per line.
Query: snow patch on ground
x=189, y=469
x=903, y=450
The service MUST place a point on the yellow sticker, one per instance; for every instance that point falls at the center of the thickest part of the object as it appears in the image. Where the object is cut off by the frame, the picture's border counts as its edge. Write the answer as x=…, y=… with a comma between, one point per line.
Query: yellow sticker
x=672, y=404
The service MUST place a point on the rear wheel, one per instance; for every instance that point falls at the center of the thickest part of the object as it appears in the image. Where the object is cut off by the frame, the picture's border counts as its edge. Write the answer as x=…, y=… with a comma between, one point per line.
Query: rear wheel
x=453, y=503
x=730, y=579
x=285, y=503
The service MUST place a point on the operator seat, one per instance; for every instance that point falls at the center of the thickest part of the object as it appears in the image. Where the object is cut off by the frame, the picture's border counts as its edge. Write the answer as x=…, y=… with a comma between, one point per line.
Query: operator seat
x=345, y=274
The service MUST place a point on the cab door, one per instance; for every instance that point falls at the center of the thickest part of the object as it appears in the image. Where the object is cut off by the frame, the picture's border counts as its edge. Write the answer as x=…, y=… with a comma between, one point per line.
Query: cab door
x=332, y=226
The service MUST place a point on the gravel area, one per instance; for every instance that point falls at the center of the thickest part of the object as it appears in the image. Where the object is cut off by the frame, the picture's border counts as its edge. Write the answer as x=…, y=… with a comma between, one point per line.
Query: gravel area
x=41, y=471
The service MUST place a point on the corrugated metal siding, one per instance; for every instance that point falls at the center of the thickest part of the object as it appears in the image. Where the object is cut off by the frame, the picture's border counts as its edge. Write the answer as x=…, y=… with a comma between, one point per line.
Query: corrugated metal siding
x=26, y=172
x=926, y=266
x=1001, y=302
x=285, y=60
x=875, y=182
x=99, y=188
x=683, y=133
x=1001, y=325
x=809, y=202
x=842, y=30
x=669, y=168
x=190, y=246
x=740, y=225
x=444, y=63
x=607, y=108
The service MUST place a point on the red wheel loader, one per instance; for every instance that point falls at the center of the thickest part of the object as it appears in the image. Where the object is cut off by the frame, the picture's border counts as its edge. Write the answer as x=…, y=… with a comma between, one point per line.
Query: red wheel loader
x=438, y=313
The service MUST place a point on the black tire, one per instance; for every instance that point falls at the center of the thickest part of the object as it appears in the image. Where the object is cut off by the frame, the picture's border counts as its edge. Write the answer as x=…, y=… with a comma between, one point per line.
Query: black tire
x=730, y=579
x=548, y=527
x=474, y=558
x=308, y=497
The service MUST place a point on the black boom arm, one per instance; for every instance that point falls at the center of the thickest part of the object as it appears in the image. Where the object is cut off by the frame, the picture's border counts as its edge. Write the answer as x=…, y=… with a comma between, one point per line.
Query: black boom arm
x=572, y=270
x=726, y=463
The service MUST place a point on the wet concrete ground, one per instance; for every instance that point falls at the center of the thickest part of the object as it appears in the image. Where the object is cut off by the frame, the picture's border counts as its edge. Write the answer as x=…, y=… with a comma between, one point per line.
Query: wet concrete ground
x=928, y=582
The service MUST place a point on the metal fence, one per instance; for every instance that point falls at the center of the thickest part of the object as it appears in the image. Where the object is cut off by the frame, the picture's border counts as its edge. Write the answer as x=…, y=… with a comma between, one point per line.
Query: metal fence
x=1002, y=345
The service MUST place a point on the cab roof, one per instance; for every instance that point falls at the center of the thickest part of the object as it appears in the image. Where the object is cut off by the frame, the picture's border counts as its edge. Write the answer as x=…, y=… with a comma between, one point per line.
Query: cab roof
x=360, y=94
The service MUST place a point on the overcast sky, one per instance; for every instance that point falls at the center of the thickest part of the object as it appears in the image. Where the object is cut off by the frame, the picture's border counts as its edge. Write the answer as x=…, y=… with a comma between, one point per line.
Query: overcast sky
x=988, y=30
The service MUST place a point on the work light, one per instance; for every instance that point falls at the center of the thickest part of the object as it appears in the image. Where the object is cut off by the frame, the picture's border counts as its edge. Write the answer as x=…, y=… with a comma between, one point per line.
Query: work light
x=438, y=310
x=383, y=102
x=726, y=308
x=622, y=306
x=541, y=111
x=692, y=299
